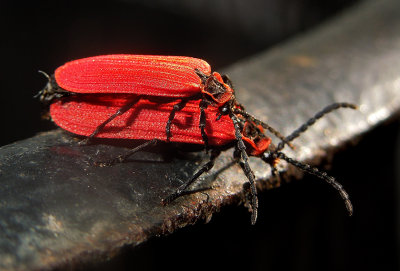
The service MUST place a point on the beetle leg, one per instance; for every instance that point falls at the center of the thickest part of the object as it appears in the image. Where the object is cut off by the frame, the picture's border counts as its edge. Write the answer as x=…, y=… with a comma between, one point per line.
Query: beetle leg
x=120, y=111
x=121, y=158
x=241, y=148
x=177, y=107
x=202, y=124
x=272, y=160
x=182, y=190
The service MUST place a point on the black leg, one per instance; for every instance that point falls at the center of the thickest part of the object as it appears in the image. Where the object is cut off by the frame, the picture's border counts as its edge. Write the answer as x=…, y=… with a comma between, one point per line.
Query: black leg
x=120, y=111
x=241, y=148
x=121, y=158
x=321, y=174
x=296, y=133
x=202, y=124
x=177, y=107
x=183, y=188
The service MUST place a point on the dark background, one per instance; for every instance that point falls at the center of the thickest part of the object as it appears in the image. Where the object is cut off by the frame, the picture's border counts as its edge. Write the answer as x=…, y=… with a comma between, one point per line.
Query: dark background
x=302, y=226
x=42, y=35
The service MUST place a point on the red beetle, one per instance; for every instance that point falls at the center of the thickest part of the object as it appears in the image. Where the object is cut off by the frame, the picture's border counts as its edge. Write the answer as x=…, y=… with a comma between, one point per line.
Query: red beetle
x=169, y=77
x=149, y=93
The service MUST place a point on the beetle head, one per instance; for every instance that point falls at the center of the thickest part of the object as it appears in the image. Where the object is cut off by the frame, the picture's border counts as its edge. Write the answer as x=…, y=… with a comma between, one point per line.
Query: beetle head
x=255, y=139
x=215, y=89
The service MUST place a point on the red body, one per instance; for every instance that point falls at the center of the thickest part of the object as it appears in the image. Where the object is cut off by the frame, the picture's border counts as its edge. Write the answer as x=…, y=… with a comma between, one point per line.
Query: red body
x=145, y=120
x=162, y=76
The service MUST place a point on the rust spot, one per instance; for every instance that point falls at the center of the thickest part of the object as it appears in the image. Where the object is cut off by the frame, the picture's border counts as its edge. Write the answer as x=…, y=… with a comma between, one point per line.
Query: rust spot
x=302, y=61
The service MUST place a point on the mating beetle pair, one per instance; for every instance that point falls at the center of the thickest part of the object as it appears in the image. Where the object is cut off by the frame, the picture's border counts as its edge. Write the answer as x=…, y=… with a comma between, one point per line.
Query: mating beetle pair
x=156, y=98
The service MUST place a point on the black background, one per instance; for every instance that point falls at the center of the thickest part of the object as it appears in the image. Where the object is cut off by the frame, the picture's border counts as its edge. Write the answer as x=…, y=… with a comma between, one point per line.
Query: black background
x=42, y=35
x=302, y=226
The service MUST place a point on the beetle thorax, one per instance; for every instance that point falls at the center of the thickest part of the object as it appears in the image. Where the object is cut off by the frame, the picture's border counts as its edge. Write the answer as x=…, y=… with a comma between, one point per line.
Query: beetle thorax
x=216, y=90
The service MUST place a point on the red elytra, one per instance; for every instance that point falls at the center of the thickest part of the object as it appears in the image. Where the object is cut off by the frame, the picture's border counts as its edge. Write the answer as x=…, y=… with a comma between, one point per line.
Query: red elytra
x=145, y=120
x=162, y=76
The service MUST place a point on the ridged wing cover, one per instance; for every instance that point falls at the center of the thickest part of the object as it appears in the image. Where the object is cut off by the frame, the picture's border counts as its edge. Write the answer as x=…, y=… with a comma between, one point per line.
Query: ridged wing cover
x=166, y=76
x=145, y=120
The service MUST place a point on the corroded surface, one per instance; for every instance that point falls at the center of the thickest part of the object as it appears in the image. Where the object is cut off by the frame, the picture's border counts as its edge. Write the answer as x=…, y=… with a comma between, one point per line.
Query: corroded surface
x=57, y=209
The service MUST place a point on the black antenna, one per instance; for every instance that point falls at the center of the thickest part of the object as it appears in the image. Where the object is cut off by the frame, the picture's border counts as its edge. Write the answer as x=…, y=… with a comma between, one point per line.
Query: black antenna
x=296, y=133
x=267, y=156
